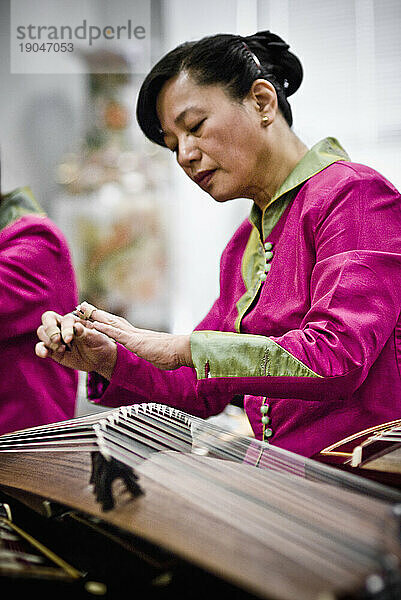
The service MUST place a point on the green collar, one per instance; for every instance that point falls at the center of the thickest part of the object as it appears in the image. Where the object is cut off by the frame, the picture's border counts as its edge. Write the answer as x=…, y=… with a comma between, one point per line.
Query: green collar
x=16, y=204
x=320, y=156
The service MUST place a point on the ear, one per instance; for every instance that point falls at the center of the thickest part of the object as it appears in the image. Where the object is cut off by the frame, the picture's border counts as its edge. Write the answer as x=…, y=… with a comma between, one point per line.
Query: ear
x=264, y=98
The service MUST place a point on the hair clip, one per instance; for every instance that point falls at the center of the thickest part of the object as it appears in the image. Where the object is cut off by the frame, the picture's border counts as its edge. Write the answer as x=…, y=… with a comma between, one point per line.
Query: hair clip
x=255, y=58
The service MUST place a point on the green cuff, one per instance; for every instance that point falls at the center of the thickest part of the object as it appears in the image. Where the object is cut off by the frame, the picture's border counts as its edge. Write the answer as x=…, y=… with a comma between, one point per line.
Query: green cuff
x=226, y=354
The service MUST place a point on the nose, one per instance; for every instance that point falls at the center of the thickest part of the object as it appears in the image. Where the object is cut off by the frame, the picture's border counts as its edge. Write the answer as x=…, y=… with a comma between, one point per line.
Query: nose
x=188, y=151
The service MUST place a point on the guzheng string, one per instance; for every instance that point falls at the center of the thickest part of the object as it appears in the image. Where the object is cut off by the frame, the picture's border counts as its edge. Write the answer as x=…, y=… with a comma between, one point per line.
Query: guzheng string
x=272, y=495
x=322, y=548
x=308, y=538
x=389, y=436
x=136, y=432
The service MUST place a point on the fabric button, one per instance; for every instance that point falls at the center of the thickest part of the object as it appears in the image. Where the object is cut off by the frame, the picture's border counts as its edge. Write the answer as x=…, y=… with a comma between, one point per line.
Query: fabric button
x=268, y=245
x=268, y=255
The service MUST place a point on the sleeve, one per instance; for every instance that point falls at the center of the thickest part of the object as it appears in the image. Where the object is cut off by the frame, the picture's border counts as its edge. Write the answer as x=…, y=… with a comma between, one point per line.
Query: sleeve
x=32, y=267
x=355, y=303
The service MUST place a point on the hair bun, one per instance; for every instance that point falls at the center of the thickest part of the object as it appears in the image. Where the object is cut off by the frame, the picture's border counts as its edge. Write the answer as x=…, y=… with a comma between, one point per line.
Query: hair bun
x=271, y=48
x=269, y=40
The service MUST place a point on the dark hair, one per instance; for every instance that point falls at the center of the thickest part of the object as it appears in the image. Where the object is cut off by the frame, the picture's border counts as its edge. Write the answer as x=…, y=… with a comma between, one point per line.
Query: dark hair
x=233, y=61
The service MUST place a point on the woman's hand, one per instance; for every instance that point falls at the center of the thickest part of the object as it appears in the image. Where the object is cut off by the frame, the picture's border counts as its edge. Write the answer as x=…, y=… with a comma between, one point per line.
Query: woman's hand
x=69, y=342
x=164, y=350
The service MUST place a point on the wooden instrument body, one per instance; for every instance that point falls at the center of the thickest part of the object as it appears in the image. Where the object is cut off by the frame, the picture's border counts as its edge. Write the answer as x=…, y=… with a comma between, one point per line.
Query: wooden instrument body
x=273, y=535
x=374, y=453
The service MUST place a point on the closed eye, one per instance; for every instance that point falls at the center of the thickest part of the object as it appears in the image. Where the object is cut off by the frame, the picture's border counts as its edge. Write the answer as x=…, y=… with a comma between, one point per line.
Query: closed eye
x=196, y=127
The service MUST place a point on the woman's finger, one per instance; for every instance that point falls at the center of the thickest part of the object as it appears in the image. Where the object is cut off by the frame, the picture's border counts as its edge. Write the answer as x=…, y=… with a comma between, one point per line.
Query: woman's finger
x=41, y=350
x=116, y=334
x=102, y=316
x=96, y=314
x=51, y=326
x=42, y=335
x=53, y=341
x=79, y=329
x=56, y=331
x=85, y=311
x=67, y=327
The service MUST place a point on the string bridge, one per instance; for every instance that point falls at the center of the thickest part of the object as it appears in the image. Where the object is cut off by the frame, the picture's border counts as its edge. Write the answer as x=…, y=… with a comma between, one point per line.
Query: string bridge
x=105, y=471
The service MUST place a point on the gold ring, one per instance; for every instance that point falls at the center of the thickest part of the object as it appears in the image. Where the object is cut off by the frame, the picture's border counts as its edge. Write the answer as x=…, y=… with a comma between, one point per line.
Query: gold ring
x=87, y=312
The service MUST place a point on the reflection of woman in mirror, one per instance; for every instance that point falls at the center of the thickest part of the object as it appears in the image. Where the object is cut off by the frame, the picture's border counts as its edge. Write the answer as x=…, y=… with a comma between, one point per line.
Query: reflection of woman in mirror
x=35, y=271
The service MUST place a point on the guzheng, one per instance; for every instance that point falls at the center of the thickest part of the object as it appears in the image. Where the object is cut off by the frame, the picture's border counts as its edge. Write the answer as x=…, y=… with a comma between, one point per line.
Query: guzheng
x=272, y=524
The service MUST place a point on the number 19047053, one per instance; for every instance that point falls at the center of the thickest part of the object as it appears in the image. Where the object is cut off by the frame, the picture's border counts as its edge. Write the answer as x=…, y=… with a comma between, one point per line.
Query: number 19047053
x=46, y=47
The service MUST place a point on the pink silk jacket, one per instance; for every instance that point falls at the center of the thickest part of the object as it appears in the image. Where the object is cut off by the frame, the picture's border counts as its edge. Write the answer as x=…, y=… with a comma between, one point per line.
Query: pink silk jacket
x=36, y=275
x=307, y=325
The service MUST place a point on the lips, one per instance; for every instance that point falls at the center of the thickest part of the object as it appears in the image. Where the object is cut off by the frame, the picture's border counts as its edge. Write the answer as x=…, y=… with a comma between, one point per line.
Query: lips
x=203, y=177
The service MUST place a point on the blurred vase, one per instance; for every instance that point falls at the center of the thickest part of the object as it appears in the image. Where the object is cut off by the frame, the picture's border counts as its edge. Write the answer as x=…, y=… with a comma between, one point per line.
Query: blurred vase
x=109, y=212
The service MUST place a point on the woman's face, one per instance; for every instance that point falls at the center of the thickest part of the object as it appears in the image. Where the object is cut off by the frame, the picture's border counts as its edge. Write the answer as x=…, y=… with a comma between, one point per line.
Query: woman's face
x=218, y=141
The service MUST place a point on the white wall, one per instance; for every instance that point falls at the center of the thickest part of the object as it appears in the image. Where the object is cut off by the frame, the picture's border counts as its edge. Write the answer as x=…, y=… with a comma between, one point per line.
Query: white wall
x=351, y=53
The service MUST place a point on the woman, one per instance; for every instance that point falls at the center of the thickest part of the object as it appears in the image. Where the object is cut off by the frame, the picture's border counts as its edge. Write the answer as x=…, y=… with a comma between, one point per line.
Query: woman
x=35, y=272
x=307, y=324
